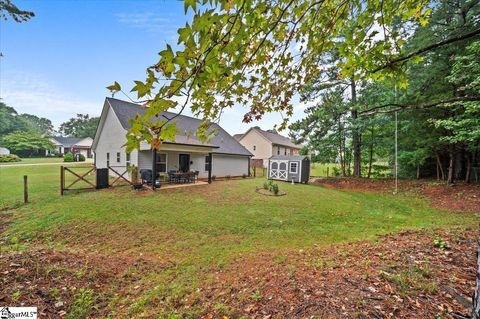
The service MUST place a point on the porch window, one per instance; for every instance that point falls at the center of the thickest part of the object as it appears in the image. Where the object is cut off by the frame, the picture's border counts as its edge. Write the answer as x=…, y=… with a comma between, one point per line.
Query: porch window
x=161, y=164
x=293, y=167
x=108, y=159
x=127, y=159
x=207, y=163
x=118, y=157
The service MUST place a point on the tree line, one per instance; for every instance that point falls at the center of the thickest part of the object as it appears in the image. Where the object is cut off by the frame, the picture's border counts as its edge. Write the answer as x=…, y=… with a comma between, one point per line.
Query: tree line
x=437, y=103
x=28, y=135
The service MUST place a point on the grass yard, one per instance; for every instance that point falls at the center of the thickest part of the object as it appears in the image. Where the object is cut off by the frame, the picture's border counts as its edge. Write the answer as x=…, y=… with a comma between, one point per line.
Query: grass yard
x=36, y=160
x=159, y=250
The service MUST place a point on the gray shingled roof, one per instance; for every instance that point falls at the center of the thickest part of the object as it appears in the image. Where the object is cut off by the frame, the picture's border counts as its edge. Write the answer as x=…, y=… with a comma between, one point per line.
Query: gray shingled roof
x=223, y=142
x=67, y=141
x=238, y=136
x=277, y=139
x=287, y=157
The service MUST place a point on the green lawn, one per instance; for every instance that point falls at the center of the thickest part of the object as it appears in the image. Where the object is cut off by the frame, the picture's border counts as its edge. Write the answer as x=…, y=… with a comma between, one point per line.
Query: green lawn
x=36, y=160
x=203, y=227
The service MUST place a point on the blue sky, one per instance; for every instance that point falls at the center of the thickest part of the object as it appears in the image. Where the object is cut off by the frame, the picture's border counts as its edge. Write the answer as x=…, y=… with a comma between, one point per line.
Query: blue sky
x=59, y=63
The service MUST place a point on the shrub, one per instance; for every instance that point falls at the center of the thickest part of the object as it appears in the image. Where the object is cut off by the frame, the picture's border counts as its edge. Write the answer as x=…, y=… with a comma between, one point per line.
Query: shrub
x=265, y=185
x=244, y=176
x=336, y=171
x=275, y=189
x=81, y=158
x=9, y=158
x=68, y=157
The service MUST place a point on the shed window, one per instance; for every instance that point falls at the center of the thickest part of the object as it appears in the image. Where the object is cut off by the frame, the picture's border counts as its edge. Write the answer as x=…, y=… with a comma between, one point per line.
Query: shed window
x=118, y=157
x=293, y=167
x=108, y=159
x=207, y=163
x=161, y=164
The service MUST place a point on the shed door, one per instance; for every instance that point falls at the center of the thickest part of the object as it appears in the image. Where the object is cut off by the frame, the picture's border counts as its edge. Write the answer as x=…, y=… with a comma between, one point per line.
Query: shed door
x=278, y=169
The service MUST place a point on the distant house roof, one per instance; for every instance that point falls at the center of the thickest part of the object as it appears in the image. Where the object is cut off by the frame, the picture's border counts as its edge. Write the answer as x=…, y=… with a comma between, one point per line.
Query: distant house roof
x=238, y=136
x=274, y=138
x=187, y=126
x=67, y=141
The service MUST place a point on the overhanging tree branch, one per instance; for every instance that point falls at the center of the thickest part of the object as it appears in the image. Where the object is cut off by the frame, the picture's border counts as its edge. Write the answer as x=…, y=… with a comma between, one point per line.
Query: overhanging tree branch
x=399, y=107
x=427, y=49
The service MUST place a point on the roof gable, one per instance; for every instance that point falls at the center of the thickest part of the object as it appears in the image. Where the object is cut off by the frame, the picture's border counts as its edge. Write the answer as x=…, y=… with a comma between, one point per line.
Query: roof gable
x=187, y=127
x=273, y=138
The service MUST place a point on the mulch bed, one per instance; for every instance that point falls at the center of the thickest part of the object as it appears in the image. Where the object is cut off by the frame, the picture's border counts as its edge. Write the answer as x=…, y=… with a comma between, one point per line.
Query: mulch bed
x=402, y=276
x=460, y=197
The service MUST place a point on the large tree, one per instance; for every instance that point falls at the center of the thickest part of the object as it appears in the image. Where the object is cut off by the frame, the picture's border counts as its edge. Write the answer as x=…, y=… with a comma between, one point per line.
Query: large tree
x=27, y=143
x=80, y=126
x=260, y=53
x=11, y=121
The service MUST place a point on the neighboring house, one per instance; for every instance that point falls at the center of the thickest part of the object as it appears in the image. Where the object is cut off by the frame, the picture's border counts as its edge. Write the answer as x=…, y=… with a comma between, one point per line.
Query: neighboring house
x=74, y=145
x=187, y=153
x=4, y=151
x=264, y=144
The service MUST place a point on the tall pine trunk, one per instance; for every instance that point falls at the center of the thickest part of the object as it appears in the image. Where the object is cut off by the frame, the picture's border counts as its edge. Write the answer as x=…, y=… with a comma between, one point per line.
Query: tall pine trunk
x=451, y=166
x=356, y=136
x=440, y=166
x=370, y=155
x=469, y=168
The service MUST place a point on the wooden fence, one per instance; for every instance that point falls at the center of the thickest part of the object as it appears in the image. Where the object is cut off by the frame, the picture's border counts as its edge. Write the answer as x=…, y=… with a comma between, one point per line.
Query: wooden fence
x=77, y=177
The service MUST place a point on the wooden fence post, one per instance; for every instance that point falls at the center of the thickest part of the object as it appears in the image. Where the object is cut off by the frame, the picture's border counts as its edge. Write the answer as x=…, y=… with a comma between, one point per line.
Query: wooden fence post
x=62, y=180
x=25, y=189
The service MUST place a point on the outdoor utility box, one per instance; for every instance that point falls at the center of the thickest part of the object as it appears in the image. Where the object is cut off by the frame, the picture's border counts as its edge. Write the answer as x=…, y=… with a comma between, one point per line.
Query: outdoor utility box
x=102, y=178
x=289, y=168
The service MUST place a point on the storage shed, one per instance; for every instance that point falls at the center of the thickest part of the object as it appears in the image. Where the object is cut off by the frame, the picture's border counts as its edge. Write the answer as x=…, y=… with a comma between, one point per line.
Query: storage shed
x=288, y=168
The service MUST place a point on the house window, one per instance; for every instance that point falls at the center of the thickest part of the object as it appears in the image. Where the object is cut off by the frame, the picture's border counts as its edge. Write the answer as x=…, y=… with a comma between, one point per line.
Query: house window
x=127, y=159
x=285, y=153
x=118, y=157
x=254, y=147
x=278, y=150
x=207, y=163
x=291, y=152
x=108, y=159
x=161, y=164
x=294, y=167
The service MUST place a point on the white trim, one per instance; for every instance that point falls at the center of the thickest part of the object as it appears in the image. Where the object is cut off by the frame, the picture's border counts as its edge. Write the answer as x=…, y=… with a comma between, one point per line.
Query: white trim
x=290, y=167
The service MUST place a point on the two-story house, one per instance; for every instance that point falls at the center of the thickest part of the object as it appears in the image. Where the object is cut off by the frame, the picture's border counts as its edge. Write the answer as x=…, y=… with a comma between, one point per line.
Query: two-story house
x=265, y=144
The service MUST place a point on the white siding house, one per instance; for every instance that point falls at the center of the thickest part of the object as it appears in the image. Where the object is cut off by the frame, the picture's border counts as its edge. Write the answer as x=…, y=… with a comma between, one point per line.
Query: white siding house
x=187, y=153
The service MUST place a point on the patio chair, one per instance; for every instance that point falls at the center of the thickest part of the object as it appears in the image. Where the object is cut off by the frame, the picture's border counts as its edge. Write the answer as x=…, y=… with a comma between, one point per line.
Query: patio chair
x=195, y=176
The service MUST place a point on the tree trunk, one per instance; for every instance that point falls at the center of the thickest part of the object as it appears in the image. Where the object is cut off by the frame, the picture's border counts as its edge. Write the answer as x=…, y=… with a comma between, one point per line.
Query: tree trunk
x=469, y=168
x=418, y=171
x=451, y=161
x=370, y=155
x=356, y=136
x=341, y=148
x=440, y=166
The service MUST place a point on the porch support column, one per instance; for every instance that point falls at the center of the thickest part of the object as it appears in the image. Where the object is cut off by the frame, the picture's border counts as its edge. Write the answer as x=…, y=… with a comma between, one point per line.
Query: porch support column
x=210, y=168
x=154, y=169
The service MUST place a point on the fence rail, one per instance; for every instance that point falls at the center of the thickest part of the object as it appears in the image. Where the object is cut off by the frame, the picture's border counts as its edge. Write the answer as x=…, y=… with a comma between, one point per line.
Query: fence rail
x=78, y=177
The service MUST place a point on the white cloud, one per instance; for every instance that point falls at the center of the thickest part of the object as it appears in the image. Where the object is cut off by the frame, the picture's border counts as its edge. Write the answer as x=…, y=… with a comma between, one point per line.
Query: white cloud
x=148, y=21
x=34, y=94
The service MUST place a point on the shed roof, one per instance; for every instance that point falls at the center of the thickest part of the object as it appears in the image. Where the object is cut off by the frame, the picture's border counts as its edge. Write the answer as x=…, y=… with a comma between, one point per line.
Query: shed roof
x=187, y=126
x=290, y=158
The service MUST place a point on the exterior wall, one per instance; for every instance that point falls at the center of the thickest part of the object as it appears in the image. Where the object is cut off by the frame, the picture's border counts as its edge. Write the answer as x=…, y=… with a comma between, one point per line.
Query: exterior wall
x=111, y=140
x=233, y=165
x=197, y=159
x=263, y=147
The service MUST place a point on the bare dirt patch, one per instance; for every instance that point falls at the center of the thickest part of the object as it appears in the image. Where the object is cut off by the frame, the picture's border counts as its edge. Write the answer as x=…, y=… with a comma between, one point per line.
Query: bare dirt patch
x=460, y=197
x=401, y=276
x=60, y=282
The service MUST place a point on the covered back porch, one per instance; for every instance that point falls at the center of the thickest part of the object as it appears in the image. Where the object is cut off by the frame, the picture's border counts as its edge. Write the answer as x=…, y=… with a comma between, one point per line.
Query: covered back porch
x=176, y=163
